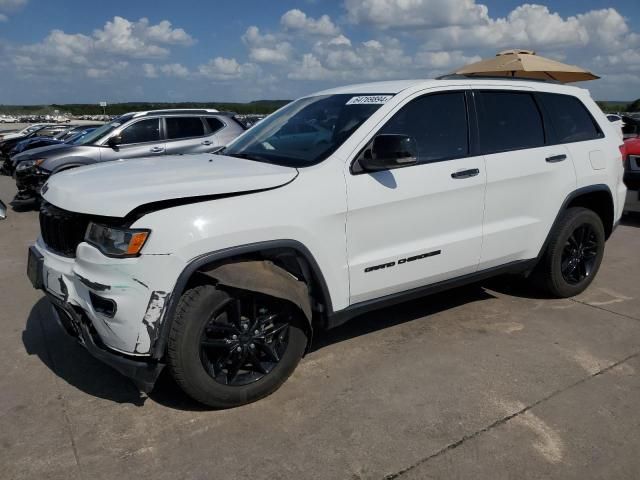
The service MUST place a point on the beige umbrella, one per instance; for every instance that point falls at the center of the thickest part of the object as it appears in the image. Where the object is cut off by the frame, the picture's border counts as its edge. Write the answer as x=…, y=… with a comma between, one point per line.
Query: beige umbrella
x=526, y=64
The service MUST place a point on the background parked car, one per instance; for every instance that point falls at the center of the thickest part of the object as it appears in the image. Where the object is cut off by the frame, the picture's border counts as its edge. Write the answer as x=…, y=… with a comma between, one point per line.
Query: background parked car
x=134, y=135
x=631, y=127
x=7, y=145
x=73, y=134
x=22, y=133
x=617, y=121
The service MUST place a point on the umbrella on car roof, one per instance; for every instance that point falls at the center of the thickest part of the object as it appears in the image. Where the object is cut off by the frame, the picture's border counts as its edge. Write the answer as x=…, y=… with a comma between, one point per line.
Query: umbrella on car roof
x=526, y=64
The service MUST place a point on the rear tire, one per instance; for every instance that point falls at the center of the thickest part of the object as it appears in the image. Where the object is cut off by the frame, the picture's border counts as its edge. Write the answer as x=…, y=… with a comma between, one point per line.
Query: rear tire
x=229, y=348
x=574, y=253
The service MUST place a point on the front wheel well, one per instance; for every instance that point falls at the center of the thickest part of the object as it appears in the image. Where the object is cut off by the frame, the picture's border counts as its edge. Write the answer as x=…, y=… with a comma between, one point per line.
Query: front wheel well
x=600, y=202
x=294, y=261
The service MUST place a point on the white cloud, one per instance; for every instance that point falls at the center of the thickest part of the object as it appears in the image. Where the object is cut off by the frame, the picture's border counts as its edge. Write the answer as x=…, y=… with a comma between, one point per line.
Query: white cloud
x=444, y=61
x=535, y=26
x=149, y=70
x=175, y=70
x=163, y=32
x=111, y=47
x=266, y=48
x=340, y=61
x=297, y=20
x=415, y=13
x=12, y=4
x=3, y=18
x=221, y=68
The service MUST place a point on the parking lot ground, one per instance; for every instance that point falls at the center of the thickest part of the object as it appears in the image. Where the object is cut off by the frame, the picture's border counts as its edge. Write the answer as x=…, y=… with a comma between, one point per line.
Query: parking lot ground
x=490, y=381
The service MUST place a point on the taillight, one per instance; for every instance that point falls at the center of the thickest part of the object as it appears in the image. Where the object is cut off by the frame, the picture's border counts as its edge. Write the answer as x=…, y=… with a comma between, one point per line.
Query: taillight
x=623, y=152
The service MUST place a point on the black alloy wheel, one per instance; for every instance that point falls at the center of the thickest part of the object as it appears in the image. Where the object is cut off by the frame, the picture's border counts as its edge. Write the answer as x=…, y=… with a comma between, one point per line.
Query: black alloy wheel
x=244, y=339
x=579, y=254
x=229, y=347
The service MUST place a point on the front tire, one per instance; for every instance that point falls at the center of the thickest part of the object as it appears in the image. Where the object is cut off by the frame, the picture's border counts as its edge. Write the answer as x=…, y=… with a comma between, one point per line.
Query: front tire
x=229, y=348
x=574, y=253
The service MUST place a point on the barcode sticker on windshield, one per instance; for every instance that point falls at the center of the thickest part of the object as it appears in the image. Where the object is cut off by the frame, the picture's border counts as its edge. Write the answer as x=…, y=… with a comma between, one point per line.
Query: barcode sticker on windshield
x=369, y=100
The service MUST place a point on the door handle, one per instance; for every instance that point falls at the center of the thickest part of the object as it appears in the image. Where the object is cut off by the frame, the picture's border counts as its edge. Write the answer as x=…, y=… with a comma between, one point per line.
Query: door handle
x=157, y=150
x=207, y=142
x=556, y=158
x=472, y=172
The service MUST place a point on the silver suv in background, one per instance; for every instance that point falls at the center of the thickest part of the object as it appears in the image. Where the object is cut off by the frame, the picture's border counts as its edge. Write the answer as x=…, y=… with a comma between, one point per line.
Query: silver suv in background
x=133, y=135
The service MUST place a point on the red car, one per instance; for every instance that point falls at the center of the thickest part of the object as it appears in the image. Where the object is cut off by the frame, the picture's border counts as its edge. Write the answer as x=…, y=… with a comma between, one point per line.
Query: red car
x=632, y=163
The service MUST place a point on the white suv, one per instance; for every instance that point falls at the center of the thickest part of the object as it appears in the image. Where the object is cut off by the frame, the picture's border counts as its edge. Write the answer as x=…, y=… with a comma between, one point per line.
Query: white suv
x=220, y=266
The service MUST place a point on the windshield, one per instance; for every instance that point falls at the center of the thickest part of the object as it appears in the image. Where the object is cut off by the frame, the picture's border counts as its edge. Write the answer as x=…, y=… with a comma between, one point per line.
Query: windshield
x=78, y=138
x=105, y=129
x=306, y=131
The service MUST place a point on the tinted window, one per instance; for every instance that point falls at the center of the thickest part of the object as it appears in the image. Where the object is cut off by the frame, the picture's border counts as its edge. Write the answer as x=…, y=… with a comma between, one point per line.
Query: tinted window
x=508, y=121
x=214, y=124
x=184, y=127
x=437, y=122
x=141, y=132
x=570, y=118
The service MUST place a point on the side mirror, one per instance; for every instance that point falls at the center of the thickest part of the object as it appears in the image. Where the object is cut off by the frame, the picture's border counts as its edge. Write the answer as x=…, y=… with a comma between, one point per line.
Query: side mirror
x=390, y=151
x=114, y=141
x=3, y=210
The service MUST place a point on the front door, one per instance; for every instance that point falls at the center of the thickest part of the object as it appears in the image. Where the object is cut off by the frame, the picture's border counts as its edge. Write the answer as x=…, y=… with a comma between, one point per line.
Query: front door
x=139, y=139
x=421, y=224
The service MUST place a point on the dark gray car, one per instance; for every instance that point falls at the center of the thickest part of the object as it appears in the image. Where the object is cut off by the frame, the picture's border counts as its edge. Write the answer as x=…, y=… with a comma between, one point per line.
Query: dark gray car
x=134, y=135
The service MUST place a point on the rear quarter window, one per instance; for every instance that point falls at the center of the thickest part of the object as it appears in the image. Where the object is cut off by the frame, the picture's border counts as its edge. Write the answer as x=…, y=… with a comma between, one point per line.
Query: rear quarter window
x=214, y=124
x=569, y=118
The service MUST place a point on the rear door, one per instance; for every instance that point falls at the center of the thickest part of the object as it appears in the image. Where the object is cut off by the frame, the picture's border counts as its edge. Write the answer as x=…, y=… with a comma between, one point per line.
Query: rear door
x=528, y=179
x=413, y=226
x=187, y=134
x=141, y=138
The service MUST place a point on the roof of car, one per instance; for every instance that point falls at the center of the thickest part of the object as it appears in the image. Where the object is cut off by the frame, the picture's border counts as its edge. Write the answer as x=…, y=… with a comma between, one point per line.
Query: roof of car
x=174, y=111
x=396, y=86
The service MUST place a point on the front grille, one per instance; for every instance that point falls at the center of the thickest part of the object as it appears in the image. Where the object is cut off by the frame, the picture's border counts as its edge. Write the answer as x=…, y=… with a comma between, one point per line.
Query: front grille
x=62, y=231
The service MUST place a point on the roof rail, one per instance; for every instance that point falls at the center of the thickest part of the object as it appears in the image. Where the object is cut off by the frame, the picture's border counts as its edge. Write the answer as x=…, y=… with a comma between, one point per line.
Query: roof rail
x=458, y=76
x=176, y=111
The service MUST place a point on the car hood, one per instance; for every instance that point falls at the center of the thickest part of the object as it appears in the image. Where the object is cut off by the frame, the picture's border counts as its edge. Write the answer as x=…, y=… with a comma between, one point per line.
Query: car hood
x=43, y=152
x=114, y=189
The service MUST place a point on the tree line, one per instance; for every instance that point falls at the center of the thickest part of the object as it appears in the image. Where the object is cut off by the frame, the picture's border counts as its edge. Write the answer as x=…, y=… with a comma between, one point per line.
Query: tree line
x=256, y=107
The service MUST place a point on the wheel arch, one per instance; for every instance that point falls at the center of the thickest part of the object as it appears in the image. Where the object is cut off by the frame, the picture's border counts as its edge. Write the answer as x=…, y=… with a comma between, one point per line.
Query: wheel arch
x=597, y=198
x=291, y=255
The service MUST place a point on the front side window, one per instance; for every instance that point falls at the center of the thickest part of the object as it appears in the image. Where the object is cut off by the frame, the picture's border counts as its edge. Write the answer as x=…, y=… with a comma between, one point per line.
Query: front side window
x=306, y=131
x=142, y=132
x=438, y=124
x=184, y=127
x=104, y=130
x=508, y=121
x=571, y=120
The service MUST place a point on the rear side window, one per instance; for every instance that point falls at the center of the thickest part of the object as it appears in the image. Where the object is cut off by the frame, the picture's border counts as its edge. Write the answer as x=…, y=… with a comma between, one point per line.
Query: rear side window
x=214, y=124
x=437, y=122
x=508, y=121
x=571, y=120
x=142, y=132
x=184, y=127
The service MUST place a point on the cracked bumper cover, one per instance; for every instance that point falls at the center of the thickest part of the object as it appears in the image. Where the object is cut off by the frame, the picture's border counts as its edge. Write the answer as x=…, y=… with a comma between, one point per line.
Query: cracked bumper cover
x=137, y=288
x=143, y=373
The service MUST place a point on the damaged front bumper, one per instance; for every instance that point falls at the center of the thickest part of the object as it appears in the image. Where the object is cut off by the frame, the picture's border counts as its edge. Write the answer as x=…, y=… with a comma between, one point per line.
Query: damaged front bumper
x=143, y=373
x=30, y=180
x=114, y=307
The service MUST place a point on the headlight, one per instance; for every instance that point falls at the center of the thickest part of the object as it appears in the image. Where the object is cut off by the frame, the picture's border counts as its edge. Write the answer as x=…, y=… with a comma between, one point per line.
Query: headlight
x=116, y=242
x=28, y=164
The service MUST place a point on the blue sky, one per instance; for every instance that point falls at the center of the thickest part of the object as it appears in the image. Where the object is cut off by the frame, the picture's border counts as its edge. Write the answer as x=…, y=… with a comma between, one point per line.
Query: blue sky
x=219, y=50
